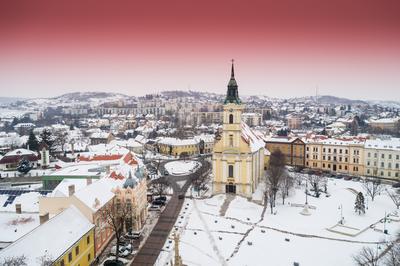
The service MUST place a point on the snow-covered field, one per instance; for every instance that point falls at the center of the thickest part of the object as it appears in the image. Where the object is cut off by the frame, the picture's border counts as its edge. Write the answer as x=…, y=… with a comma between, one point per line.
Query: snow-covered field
x=243, y=236
x=181, y=167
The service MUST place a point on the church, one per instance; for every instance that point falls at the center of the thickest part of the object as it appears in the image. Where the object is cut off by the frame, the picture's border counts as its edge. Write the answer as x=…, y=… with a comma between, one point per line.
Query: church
x=238, y=156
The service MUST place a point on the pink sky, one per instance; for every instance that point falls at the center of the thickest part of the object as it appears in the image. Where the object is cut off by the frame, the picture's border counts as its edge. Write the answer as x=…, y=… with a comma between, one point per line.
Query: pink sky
x=282, y=48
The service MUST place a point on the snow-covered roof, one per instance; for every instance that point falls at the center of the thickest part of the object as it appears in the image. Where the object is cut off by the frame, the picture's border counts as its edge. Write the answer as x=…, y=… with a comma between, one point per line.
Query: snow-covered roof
x=13, y=225
x=98, y=193
x=20, y=152
x=52, y=238
x=100, y=135
x=255, y=142
x=178, y=142
x=383, y=144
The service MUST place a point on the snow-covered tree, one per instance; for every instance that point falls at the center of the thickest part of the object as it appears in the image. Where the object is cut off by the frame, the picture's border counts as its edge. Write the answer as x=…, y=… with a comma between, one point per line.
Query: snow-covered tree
x=359, y=205
x=14, y=261
x=24, y=166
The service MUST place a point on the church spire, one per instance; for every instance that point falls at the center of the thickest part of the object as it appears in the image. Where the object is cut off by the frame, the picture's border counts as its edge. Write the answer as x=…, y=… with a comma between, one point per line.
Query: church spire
x=232, y=71
x=232, y=95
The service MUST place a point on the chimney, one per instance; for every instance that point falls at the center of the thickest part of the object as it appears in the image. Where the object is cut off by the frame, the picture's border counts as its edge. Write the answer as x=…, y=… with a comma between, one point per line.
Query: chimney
x=18, y=208
x=71, y=190
x=88, y=181
x=44, y=218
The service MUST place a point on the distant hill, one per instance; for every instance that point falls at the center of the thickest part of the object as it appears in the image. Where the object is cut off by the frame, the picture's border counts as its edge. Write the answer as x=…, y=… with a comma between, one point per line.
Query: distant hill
x=326, y=99
x=82, y=96
x=8, y=100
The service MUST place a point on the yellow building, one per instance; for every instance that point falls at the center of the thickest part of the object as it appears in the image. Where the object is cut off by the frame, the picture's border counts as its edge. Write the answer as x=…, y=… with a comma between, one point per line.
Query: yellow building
x=337, y=155
x=292, y=147
x=64, y=240
x=176, y=147
x=238, y=156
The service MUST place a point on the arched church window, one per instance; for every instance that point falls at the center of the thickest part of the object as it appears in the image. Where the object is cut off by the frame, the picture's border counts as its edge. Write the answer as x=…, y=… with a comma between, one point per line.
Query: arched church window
x=230, y=170
x=231, y=119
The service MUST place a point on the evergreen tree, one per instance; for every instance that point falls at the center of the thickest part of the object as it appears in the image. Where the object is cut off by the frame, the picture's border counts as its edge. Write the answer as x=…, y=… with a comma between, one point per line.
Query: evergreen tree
x=359, y=206
x=24, y=166
x=32, y=143
x=47, y=138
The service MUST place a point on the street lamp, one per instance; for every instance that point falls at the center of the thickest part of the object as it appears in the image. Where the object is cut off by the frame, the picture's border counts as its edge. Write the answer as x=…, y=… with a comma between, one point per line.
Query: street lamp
x=341, y=214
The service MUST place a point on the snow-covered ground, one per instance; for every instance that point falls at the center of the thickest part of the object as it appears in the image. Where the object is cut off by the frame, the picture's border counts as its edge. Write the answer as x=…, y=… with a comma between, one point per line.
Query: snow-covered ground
x=181, y=167
x=243, y=236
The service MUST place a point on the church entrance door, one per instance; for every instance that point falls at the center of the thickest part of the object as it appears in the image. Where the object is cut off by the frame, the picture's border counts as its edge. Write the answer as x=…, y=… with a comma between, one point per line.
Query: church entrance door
x=230, y=188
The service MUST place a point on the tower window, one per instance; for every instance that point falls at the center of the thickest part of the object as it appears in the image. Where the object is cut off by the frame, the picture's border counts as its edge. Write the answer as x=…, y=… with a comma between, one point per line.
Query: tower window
x=231, y=119
x=230, y=170
x=231, y=140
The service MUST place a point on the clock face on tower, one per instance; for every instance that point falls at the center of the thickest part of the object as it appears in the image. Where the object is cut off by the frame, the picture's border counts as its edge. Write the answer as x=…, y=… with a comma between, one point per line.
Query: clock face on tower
x=231, y=110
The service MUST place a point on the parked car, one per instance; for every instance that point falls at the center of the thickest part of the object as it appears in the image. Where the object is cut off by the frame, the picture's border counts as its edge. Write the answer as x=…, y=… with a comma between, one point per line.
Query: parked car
x=396, y=185
x=166, y=172
x=155, y=208
x=161, y=198
x=158, y=202
x=124, y=251
x=339, y=176
x=347, y=177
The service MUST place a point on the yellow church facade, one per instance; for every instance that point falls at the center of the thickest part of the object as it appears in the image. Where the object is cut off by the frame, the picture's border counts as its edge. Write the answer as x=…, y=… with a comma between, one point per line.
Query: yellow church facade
x=238, y=156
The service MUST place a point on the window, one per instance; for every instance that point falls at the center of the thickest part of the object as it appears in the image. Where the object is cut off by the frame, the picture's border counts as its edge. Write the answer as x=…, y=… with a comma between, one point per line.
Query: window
x=70, y=257
x=368, y=171
x=390, y=165
x=390, y=156
x=62, y=262
x=382, y=164
x=88, y=257
x=76, y=250
x=231, y=140
x=88, y=240
x=397, y=157
x=231, y=119
x=397, y=166
x=383, y=156
x=345, y=167
x=230, y=170
x=369, y=154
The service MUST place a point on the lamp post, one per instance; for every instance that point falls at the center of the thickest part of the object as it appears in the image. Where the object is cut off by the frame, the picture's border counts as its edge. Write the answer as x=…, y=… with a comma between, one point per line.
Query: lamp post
x=341, y=214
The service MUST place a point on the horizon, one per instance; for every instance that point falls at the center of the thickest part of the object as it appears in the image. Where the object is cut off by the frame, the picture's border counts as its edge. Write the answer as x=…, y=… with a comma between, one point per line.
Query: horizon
x=285, y=49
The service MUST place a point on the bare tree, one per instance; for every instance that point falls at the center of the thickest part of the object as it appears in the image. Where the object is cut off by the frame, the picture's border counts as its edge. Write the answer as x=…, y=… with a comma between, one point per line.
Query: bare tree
x=115, y=215
x=15, y=261
x=392, y=257
x=45, y=260
x=285, y=186
x=160, y=186
x=372, y=187
x=367, y=257
x=395, y=196
x=200, y=178
x=275, y=174
x=60, y=139
x=316, y=182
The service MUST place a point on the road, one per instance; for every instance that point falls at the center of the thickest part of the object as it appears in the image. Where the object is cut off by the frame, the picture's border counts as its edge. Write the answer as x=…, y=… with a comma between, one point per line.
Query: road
x=148, y=254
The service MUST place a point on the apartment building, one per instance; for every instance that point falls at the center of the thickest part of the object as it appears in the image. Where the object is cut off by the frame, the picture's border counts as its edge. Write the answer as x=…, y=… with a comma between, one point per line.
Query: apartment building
x=382, y=158
x=339, y=155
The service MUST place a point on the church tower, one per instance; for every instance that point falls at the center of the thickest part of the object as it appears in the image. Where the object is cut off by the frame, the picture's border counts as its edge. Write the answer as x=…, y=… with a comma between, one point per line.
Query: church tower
x=238, y=156
x=232, y=116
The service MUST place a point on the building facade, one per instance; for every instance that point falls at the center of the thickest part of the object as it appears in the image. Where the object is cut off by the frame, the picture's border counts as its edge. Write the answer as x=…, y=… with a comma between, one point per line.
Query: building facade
x=382, y=158
x=238, y=156
x=293, y=148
